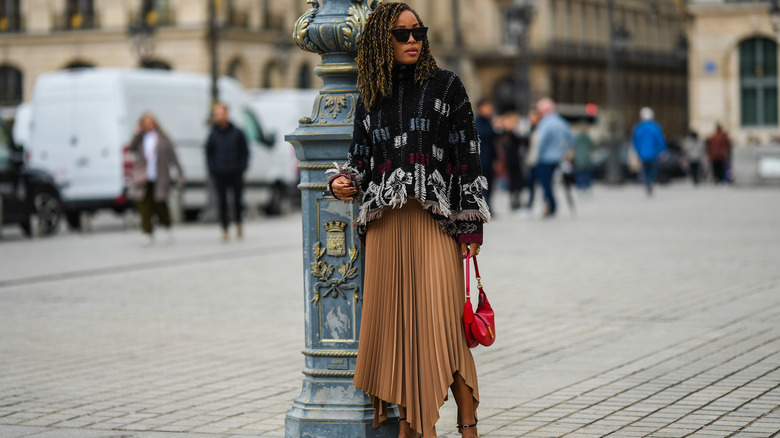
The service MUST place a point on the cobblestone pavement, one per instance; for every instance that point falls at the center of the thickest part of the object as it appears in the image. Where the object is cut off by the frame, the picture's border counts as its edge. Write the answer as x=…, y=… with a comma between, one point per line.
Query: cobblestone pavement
x=635, y=318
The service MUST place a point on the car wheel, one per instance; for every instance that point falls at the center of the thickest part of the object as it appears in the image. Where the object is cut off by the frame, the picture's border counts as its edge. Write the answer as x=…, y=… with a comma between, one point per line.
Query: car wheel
x=74, y=220
x=48, y=207
x=274, y=206
x=26, y=228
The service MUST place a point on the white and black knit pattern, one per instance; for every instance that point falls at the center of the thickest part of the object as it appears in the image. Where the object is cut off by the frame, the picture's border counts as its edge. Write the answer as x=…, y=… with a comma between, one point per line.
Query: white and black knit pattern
x=420, y=143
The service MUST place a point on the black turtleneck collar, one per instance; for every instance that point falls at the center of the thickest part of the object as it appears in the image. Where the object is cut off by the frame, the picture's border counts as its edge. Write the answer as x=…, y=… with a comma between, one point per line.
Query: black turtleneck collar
x=403, y=72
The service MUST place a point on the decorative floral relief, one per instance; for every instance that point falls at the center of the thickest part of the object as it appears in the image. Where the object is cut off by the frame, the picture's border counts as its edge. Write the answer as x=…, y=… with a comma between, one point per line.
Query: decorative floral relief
x=334, y=287
x=334, y=103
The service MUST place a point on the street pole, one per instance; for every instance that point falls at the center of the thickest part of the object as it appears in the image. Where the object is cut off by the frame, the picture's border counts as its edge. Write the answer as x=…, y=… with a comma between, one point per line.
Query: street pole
x=522, y=67
x=457, y=58
x=329, y=404
x=613, y=170
x=520, y=17
x=209, y=212
x=213, y=51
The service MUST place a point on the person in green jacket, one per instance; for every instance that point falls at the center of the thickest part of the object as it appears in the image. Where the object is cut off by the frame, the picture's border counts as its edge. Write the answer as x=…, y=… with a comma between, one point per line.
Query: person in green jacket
x=583, y=162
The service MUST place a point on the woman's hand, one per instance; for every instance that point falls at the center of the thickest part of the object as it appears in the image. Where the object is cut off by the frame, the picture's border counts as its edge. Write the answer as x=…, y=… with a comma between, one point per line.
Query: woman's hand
x=343, y=189
x=471, y=248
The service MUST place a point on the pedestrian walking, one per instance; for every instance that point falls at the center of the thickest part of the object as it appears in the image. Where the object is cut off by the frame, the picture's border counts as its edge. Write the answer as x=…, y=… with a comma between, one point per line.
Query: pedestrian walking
x=693, y=146
x=649, y=143
x=554, y=137
x=719, y=153
x=488, y=153
x=512, y=147
x=227, y=155
x=154, y=154
x=583, y=158
x=414, y=166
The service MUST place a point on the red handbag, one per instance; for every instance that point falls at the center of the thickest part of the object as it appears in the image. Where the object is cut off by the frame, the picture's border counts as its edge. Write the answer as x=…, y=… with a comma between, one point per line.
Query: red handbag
x=480, y=326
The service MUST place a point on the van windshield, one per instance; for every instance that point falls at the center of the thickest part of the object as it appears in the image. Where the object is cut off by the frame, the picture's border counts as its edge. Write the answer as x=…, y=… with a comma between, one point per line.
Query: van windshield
x=253, y=130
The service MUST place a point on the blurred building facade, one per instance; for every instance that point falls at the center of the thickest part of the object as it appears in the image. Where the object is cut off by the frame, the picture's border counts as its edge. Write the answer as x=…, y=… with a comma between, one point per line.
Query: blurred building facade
x=568, y=46
x=733, y=69
x=255, y=47
x=569, y=41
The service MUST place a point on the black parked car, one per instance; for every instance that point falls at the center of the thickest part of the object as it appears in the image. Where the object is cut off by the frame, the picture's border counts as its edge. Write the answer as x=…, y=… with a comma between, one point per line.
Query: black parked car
x=26, y=191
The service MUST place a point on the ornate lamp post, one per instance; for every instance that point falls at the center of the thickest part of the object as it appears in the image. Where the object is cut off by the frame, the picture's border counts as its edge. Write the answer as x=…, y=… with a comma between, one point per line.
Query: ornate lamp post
x=329, y=405
x=519, y=18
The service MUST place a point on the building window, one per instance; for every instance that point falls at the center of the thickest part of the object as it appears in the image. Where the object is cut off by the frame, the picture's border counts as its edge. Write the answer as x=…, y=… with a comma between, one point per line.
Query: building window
x=758, y=82
x=157, y=12
x=10, y=86
x=237, y=17
x=10, y=16
x=80, y=14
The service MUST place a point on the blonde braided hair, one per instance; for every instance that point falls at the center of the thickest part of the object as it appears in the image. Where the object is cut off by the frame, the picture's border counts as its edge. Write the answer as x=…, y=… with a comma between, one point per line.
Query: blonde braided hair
x=375, y=54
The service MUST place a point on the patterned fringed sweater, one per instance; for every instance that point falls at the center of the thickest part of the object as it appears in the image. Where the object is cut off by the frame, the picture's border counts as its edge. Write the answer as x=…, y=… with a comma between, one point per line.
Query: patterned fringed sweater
x=420, y=143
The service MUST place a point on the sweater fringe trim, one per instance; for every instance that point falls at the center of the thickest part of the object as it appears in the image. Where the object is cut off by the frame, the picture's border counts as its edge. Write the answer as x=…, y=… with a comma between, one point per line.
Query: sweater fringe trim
x=430, y=206
x=472, y=216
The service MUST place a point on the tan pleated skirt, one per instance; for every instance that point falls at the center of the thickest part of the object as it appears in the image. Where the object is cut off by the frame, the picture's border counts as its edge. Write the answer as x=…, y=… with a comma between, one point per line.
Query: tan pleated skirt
x=411, y=335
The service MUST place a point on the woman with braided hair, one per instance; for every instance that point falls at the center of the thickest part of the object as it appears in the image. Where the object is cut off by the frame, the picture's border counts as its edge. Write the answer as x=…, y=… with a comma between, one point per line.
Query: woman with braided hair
x=414, y=168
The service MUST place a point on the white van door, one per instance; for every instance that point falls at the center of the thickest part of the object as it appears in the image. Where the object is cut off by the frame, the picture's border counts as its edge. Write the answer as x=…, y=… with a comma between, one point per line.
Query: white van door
x=50, y=141
x=96, y=147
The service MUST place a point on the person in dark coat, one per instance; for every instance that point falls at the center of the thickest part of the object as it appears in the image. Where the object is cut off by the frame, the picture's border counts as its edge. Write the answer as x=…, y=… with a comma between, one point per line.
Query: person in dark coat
x=487, y=135
x=512, y=147
x=227, y=155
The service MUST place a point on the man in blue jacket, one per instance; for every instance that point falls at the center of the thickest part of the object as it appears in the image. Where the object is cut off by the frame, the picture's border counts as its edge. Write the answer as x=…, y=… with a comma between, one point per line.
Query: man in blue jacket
x=554, y=139
x=649, y=143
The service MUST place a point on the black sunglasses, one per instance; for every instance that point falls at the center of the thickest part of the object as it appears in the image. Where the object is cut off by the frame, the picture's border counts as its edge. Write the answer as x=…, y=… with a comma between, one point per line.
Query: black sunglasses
x=402, y=35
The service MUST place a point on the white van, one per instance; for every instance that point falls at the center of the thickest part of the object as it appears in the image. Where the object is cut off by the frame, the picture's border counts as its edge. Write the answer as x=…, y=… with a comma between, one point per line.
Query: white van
x=83, y=120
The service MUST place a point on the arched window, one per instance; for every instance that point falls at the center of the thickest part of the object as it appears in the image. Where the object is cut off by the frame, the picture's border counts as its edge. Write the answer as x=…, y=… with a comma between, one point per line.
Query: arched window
x=10, y=16
x=304, y=76
x=79, y=64
x=758, y=82
x=80, y=14
x=155, y=64
x=234, y=69
x=10, y=85
x=504, y=95
x=272, y=75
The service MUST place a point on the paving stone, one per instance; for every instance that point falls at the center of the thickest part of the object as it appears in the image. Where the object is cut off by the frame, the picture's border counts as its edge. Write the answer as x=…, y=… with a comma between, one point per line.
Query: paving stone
x=638, y=316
